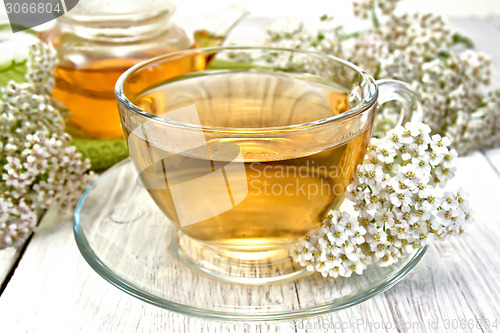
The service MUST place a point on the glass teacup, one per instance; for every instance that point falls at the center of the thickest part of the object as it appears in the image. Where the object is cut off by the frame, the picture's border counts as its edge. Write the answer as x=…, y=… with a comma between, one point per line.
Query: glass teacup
x=246, y=149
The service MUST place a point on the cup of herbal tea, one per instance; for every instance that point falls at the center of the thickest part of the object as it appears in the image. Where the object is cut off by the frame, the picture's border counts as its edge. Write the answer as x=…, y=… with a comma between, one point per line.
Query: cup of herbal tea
x=247, y=149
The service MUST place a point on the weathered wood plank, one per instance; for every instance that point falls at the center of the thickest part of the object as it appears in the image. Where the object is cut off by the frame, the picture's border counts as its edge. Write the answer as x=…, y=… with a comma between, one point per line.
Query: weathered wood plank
x=493, y=157
x=8, y=257
x=456, y=280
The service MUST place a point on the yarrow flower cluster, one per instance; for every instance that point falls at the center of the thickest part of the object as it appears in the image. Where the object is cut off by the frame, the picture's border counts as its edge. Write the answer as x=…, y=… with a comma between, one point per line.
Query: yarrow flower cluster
x=39, y=167
x=398, y=194
x=334, y=249
x=421, y=50
x=362, y=8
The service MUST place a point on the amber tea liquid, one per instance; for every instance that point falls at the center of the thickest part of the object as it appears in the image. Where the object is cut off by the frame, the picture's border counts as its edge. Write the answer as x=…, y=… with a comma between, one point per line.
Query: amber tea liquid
x=89, y=92
x=286, y=188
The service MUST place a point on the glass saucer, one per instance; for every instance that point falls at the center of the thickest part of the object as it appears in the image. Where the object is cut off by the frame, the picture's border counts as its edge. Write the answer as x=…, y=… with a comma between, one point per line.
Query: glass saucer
x=130, y=243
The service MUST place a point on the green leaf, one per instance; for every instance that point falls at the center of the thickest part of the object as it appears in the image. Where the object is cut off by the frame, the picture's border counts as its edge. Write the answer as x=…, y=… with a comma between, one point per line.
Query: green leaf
x=373, y=12
x=443, y=54
x=377, y=71
x=12, y=64
x=461, y=39
x=14, y=49
x=351, y=35
x=102, y=153
x=42, y=177
x=481, y=105
x=30, y=31
x=14, y=71
x=3, y=162
x=227, y=64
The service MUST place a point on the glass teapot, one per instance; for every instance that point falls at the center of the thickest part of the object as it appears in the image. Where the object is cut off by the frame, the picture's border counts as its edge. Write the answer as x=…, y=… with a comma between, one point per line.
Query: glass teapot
x=98, y=40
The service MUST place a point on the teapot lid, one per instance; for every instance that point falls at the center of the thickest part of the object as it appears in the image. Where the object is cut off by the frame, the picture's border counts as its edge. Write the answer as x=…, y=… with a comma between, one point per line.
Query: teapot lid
x=116, y=18
x=120, y=9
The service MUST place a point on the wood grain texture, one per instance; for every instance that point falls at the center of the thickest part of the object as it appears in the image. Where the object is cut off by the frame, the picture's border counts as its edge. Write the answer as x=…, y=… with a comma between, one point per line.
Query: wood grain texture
x=54, y=289
x=456, y=283
x=8, y=257
x=131, y=237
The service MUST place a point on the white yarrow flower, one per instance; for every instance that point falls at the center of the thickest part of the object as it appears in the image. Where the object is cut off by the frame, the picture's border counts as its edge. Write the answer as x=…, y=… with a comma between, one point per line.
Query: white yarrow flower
x=41, y=167
x=399, y=209
x=423, y=51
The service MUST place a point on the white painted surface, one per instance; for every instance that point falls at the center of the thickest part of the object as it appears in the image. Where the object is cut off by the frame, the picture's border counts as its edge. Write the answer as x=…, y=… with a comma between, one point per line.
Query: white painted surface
x=54, y=290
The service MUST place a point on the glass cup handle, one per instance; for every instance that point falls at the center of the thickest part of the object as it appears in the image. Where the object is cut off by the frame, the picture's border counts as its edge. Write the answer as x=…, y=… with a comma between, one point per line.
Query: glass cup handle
x=394, y=90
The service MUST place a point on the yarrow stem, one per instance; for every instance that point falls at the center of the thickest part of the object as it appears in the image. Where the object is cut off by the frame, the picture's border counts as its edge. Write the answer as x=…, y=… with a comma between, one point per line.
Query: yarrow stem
x=400, y=208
